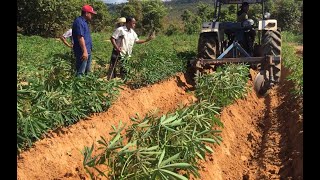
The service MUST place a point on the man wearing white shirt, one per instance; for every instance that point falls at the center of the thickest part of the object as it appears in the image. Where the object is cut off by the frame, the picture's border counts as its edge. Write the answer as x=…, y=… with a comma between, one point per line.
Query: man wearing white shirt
x=123, y=39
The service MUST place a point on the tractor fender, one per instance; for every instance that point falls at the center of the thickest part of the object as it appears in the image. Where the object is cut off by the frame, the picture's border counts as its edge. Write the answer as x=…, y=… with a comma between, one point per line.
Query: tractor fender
x=268, y=24
x=210, y=27
x=213, y=28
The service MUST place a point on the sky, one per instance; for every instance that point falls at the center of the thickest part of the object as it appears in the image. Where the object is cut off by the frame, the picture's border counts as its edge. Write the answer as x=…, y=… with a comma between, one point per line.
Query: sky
x=115, y=1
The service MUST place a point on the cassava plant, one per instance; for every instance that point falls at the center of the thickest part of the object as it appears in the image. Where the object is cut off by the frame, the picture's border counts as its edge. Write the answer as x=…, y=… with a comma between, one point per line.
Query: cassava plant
x=158, y=147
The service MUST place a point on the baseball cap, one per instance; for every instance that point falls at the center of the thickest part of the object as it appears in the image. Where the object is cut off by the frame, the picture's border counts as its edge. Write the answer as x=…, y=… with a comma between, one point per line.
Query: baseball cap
x=88, y=8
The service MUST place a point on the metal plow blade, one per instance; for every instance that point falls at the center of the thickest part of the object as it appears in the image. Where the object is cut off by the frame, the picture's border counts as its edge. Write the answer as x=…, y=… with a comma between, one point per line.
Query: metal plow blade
x=261, y=83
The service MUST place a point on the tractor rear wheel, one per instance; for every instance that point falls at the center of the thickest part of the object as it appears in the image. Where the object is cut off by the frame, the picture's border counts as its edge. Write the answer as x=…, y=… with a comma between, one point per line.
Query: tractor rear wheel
x=207, y=48
x=271, y=45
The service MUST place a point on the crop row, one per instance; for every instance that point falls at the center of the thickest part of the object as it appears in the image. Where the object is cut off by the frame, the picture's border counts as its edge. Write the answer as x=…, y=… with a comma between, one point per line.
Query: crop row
x=168, y=147
x=50, y=96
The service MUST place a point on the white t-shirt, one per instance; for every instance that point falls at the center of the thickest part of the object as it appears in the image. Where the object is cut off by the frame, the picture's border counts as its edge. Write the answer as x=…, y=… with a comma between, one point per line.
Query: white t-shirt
x=125, y=39
x=68, y=34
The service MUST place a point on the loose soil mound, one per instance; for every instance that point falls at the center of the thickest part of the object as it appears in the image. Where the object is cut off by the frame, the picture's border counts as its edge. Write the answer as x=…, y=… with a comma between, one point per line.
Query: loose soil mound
x=262, y=139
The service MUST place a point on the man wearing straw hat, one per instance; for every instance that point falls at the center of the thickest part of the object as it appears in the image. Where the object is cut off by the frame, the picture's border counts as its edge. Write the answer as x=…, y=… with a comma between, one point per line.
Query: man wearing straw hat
x=120, y=22
x=123, y=39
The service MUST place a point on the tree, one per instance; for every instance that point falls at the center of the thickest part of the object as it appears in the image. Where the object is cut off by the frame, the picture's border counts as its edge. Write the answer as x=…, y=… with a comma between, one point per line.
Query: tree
x=205, y=12
x=148, y=14
x=186, y=15
x=192, y=22
x=52, y=18
x=289, y=14
x=153, y=13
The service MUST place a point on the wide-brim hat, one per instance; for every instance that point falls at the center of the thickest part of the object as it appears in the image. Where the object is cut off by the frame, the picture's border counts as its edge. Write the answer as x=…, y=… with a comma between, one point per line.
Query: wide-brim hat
x=121, y=20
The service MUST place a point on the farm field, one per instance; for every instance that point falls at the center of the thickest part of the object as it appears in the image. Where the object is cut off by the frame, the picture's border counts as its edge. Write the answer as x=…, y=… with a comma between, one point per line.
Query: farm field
x=261, y=136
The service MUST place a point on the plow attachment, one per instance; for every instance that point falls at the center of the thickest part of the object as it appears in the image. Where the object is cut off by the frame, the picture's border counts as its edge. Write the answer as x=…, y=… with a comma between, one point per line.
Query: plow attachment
x=268, y=67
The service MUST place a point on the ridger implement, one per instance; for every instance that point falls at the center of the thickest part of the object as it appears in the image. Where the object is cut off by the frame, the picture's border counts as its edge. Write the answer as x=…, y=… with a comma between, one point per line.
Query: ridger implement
x=231, y=42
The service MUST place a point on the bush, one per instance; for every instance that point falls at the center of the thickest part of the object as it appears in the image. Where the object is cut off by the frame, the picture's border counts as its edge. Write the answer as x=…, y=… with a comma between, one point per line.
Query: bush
x=289, y=15
x=52, y=18
x=148, y=14
x=172, y=30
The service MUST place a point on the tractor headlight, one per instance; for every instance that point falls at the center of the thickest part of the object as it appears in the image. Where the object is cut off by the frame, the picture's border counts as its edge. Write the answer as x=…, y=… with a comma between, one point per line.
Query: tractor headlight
x=248, y=22
x=266, y=15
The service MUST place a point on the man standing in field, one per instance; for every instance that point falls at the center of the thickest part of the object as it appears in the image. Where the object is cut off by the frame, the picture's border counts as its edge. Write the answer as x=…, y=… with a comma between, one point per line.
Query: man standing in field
x=123, y=39
x=82, y=40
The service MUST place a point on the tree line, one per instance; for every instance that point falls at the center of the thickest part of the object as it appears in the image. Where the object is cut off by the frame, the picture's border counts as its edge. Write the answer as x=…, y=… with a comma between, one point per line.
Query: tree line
x=52, y=18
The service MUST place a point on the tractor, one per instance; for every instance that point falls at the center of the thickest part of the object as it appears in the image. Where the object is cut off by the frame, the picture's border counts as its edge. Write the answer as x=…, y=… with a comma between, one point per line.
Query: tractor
x=229, y=42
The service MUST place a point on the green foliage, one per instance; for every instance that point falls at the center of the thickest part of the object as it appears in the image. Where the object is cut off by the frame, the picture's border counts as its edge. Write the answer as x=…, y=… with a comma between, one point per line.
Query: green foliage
x=158, y=147
x=52, y=18
x=150, y=64
x=172, y=30
x=232, y=9
x=205, y=12
x=290, y=37
x=293, y=62
x=289, y=15
x=187, y=15
x=193, y=26
x=149, y=14
x=48, y=93
x=224, y=85
x=134, y=9
x=227, y=16
x=153, y=13
x=270, y=6
x=102, y=21
x=255, y=12
x=192, y=22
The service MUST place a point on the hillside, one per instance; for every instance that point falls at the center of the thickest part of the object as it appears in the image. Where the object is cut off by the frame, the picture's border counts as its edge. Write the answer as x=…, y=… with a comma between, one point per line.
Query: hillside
x=175, y=7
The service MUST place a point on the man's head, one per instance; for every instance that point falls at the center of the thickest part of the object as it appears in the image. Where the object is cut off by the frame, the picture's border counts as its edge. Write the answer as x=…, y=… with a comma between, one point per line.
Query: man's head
x=130, y=22
x=245, y=6
x=87, y=12
x=121, y=21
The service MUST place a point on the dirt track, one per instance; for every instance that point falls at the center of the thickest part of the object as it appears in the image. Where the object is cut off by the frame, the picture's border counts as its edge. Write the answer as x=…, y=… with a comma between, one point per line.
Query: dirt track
x=262, y=136
x=263, y=139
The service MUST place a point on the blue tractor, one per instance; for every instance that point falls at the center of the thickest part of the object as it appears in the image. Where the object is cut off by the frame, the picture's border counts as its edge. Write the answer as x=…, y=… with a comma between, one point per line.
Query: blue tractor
x=232, y=42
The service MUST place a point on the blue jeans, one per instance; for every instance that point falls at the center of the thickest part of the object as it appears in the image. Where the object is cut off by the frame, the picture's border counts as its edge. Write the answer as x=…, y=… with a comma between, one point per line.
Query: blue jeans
x=82, y=67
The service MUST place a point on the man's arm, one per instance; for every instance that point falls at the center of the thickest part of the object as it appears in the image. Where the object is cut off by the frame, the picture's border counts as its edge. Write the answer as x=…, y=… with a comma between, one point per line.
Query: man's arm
x=115, y=46
x=82, y=43
x=141, y=41
x=64, y=40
